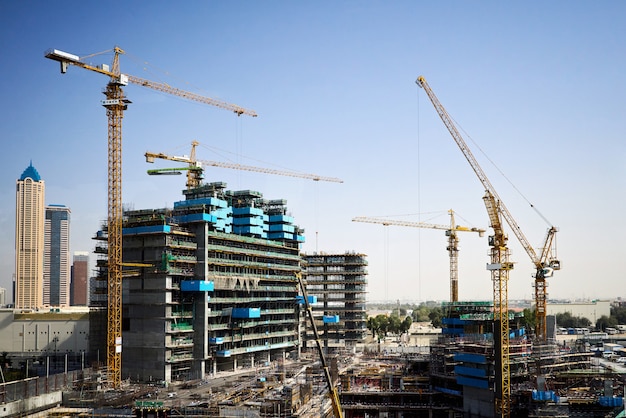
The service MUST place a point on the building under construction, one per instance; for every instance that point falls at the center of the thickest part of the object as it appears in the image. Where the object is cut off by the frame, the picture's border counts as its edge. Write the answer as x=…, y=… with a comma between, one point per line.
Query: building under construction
x=338, y=284
x=211, y=285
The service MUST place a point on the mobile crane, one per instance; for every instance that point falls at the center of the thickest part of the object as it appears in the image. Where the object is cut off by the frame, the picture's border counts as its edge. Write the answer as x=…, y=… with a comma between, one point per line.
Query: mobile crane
x=116, y=103
x=332, y=390
x=453, y=242
x=545, y=263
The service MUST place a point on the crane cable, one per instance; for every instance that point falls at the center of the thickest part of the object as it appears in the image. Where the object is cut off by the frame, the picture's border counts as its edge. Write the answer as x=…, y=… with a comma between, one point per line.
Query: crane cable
x=502, y=173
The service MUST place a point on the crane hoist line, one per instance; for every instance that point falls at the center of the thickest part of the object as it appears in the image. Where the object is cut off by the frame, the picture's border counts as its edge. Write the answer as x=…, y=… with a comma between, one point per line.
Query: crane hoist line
x=115, y=104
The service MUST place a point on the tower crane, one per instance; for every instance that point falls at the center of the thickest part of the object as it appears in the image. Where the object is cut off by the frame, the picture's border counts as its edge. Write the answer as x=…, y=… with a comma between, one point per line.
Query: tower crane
x=545, y=263
x=116, y=103
x=195, y=168
x=453, y=242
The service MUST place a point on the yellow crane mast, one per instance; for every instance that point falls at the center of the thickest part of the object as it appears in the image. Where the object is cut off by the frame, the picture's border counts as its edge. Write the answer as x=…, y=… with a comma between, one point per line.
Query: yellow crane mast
x=195, y=168
x=116, y=103
x=453, y=242
x=546, y=262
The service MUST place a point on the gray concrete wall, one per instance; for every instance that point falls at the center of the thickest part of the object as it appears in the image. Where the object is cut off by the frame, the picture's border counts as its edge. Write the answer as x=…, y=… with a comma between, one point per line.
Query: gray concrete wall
x=30, y=404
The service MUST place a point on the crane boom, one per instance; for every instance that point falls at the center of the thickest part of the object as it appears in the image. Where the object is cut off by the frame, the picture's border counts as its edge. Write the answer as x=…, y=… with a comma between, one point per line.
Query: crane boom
x=453, y=241
x=116, y=103
x=332, y=390
x=195, y=169
x=544, y=263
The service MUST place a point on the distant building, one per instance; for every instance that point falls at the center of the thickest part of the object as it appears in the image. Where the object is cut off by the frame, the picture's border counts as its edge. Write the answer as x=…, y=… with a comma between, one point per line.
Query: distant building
x=56, y=265
x=592, y=310
x=29, y=239
x=59, y=334
x=79, y=286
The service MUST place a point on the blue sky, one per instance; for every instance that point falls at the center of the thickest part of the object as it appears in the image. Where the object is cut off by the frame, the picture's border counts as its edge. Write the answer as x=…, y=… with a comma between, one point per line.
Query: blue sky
x=538, y=86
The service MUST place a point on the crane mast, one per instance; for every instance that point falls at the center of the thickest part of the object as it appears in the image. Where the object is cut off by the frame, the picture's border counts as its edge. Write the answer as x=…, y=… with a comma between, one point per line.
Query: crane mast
x=453, y=242
x=544, y=264
x=116, y=103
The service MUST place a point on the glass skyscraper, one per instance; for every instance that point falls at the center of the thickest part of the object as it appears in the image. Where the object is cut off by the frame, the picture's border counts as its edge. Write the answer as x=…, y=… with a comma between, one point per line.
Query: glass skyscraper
x=57, y=263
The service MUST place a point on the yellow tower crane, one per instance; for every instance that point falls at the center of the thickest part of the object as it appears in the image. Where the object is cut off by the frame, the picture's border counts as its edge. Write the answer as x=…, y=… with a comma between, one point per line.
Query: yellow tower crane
x=115, y=104
x=545, y=263
x=453, y=242
x=195, y=168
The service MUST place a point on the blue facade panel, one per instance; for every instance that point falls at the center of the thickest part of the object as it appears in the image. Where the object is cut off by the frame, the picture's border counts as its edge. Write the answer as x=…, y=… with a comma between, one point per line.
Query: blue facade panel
x=468, y=381
x=246, y=313
x=242, y=230
x=196, y=217
x=470, y=371
x=281, y=219
x=279, y=235
x=216, y=340
x=470, y=358
x=248, y=211
x=248, y=221
x=331, y=319
x=223, y=353
x=208, y=201
x=311, y=299
x=147, y=229
x=196, y=286
x=282, y=228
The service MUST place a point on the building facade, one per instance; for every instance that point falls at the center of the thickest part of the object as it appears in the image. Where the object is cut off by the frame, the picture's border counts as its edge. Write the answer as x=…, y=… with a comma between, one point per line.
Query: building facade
x=592, y=310
x=29, y=239
x=339, y=283
x=56, y=264
x=220, y=292
x=79, y=282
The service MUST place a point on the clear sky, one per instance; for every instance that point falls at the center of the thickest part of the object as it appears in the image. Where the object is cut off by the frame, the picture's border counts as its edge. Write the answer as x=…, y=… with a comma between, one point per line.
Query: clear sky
x=538, y=86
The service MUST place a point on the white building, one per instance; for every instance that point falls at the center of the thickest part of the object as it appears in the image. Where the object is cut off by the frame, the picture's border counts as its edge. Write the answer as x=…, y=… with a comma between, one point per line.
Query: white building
x=592, y=310
x=35, y=335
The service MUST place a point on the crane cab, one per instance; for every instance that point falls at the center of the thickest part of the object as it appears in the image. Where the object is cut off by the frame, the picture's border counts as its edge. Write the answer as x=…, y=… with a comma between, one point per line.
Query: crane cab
x=555, y=264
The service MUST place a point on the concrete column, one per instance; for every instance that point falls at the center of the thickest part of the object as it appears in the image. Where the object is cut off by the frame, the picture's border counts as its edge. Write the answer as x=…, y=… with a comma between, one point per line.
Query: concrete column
x=235, y=363
x=251, y=360
x=200, y=333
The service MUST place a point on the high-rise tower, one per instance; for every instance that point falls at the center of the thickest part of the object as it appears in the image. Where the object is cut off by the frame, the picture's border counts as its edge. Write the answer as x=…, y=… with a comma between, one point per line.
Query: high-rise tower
x=29, y=239
x=56, y=256
x=79, y=288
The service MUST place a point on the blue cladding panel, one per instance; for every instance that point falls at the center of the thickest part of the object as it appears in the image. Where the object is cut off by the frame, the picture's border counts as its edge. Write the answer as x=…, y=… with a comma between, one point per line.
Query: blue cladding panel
x=281, y=219
x=216, y=340
x=282, y=228
x=279, y=235
x=300, y=238
x=248, y=221
x=330, y=319
x=147, y=229
x=223, y=353
x=246, y=313
x=469, y=371
x=196, y=286
x=311, y=298
x=477, y=383
x=247, y=211
x=196, y=217
x=209, y=201
x=248, y=230
x=470, y=358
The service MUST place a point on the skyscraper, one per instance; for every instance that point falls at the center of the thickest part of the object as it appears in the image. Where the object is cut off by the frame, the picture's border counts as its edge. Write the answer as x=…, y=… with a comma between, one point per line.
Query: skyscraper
x=79, y=288
x=56, y=260
x=29, y=239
